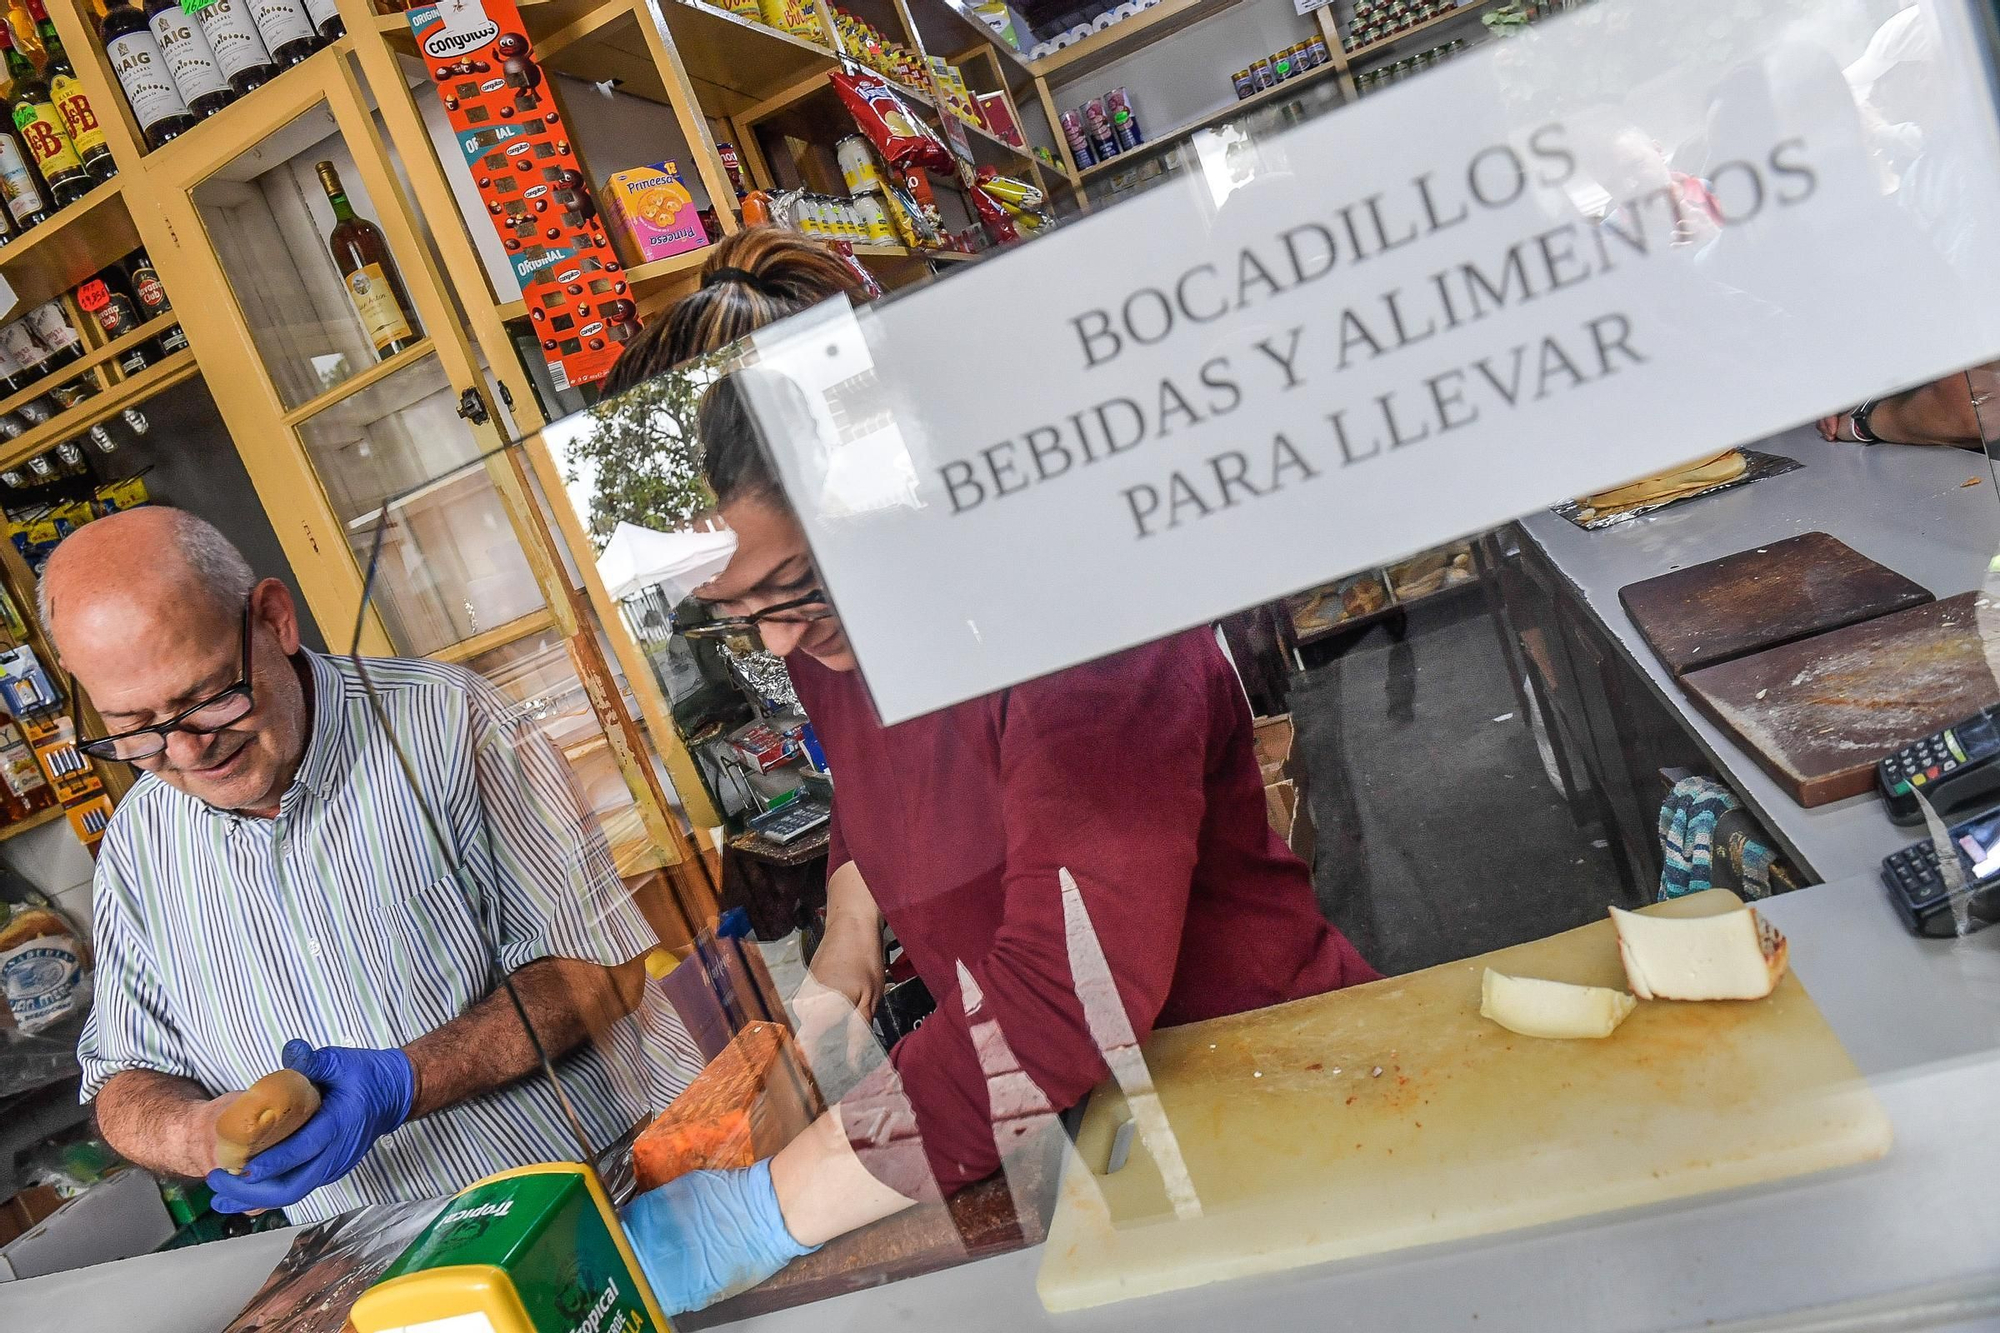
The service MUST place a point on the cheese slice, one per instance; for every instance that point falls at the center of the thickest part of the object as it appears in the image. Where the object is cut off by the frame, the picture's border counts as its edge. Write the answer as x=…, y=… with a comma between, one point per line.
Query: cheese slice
x=1537, y=1008
x=1734, y=956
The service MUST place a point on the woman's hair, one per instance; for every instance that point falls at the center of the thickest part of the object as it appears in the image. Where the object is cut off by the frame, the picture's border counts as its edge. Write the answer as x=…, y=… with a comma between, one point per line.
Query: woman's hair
x=756, y=277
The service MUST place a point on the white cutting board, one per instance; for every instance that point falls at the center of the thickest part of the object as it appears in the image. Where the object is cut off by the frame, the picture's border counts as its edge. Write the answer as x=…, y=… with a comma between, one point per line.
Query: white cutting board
x=1300, y=1153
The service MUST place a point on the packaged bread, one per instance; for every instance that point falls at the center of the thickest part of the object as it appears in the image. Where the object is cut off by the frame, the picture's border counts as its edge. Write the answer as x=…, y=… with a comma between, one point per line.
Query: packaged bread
x=41, y=968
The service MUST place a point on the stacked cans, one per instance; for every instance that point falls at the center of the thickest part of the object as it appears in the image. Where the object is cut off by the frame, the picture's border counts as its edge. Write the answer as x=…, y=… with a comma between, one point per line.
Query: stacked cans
x=1102, y=128
x=1408, y=65
x=1280, y=66
x=1378, y=20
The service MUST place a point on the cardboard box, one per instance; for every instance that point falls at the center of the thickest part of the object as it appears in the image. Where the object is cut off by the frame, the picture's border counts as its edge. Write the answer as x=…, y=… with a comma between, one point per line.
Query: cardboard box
x=651, y=214
x=1273, y=741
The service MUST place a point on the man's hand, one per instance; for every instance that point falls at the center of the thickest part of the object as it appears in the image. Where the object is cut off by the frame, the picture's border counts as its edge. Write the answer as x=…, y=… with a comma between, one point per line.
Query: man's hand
x=363, y=1095
x=1831, y=428
x=709, y=1234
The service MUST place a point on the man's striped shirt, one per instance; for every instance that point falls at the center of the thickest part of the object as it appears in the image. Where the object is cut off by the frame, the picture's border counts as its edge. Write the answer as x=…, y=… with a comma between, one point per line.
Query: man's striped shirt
x=371, y=911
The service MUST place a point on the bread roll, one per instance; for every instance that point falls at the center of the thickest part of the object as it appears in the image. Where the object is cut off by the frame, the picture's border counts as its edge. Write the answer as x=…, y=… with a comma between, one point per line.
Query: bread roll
x=269, y=1112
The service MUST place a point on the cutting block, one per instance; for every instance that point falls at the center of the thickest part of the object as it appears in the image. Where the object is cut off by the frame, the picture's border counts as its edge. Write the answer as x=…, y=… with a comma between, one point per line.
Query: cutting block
x=1759, y=598
x=1393, y=1115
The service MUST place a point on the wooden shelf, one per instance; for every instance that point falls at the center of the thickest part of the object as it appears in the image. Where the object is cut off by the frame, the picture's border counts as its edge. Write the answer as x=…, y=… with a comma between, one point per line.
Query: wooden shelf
x=946, y=17
x=1306, y=638
x=644, y=283
x=129, y=392
x=1121, y=39
x=361, y=380
x=736, y=63
x=34, y=821
x=1277, y=92
x=111, y=351
x=1373, y=49
x=74, y=243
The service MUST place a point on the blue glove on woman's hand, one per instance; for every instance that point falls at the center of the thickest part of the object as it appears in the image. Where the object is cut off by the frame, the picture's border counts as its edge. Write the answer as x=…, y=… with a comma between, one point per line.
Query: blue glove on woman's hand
x=363, y=1095
x=709, y=1234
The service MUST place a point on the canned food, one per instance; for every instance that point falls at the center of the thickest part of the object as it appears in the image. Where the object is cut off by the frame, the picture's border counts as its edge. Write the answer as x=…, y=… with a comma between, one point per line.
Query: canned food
x=1245, y=85
x=1263, y=75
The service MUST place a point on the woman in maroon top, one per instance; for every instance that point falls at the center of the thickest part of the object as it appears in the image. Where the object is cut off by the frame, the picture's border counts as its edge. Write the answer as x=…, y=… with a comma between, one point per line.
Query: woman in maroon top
x=1135, y=774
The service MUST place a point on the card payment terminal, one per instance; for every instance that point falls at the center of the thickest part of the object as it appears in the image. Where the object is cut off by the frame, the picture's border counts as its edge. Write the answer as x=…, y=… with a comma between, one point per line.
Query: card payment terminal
x=1956, y=769
x=1918, y=889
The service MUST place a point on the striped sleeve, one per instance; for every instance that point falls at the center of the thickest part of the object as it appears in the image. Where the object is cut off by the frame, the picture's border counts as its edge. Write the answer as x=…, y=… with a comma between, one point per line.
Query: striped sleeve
x=129, y=1026
x=554, y=888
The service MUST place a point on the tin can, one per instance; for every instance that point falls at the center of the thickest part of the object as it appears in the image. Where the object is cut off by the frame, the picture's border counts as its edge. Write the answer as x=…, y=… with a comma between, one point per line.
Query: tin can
x=1321, y=55
x=1263, y=75
x=1124, y=120
x=1245, y=85
x=1079, y=143
x=1099, y=124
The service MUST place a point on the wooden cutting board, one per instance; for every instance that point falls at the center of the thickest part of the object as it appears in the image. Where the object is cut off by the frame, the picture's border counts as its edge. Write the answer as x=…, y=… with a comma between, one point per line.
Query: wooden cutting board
x=1299, y=1152
x=1760, y=598
x=1818, y=713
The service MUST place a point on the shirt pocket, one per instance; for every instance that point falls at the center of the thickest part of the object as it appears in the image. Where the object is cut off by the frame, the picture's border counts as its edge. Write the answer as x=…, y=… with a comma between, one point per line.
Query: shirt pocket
x=450, y=946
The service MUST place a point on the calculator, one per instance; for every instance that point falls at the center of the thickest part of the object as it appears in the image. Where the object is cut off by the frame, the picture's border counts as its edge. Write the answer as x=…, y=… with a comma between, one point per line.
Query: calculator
x=1917, y=888
x=791, y=821
x=1956, y=769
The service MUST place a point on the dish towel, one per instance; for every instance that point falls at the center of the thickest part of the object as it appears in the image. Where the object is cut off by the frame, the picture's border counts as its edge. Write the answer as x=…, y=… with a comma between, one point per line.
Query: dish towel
x=1688, y=842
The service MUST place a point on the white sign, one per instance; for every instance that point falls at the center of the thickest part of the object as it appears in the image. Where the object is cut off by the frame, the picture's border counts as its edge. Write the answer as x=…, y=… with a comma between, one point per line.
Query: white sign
x=1630, y=237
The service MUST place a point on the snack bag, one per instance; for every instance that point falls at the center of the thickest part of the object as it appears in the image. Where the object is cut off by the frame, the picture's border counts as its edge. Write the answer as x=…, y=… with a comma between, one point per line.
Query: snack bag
x=1009, y=209
x=904, y=142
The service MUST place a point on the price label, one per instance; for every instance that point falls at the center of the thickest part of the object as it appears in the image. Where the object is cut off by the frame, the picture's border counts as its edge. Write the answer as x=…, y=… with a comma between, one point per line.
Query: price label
x=195, y=6
x=1308, y=6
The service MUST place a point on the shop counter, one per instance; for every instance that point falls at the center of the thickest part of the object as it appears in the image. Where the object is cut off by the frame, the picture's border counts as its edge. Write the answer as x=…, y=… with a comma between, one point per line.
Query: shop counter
x=1914, y=1232
x=1906, y=506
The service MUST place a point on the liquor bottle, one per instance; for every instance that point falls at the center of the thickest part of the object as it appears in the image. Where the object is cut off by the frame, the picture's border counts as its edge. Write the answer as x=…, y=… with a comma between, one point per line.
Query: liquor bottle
x=369, y=272
x=29, y=357
x=79, y=118
x=21, y=185
x=288, y=33
x=144, y=75
x=49, y=322
x=189, y=58
x=326, y=18
x=33, y=110
x=151, y=294
x=117, y=314
x=239, y=49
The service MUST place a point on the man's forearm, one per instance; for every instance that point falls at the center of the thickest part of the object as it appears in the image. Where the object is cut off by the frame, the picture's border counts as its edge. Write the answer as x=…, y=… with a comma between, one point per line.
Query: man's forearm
x=486, y=1048
x=162, y=1122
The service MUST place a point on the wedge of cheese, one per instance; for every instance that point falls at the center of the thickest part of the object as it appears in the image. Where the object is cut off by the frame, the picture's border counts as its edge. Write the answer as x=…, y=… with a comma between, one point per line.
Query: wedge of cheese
x=1734, y=956
x=1537, y=1008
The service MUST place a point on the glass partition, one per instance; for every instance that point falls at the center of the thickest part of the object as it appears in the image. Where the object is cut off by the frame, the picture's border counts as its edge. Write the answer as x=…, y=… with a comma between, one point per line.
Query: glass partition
x=1248, y=727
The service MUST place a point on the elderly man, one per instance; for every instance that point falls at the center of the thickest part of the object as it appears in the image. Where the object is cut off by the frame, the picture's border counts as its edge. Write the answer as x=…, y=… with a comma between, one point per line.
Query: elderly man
x=281, y=883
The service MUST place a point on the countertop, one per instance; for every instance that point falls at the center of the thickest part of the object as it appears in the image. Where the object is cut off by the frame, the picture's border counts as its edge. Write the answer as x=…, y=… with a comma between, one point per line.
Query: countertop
x=1905, y=506
x=1916, y=1233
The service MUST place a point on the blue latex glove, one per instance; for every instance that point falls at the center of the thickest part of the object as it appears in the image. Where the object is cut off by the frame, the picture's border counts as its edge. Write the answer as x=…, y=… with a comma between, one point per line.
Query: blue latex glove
x=363, y=1095
x=709, y=1234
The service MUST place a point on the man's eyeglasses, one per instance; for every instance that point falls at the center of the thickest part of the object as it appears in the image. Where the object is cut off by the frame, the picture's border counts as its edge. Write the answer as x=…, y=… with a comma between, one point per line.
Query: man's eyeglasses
x=210, y=715
x=812, y=606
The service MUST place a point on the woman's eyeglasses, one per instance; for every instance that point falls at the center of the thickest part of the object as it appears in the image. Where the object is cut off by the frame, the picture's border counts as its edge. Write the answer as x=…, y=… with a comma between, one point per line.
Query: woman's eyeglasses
x=812, y=606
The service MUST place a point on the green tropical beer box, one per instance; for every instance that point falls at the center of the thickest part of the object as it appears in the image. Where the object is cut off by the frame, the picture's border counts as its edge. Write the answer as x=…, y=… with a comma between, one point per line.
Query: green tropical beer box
x=534, y=1250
